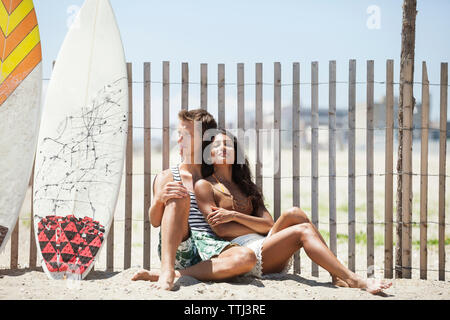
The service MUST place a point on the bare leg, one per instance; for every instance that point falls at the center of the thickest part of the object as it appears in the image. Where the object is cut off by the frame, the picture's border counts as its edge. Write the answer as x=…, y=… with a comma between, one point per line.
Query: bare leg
x=232, y=262
x=280, y=246
x=295, y=216
x=174, y=229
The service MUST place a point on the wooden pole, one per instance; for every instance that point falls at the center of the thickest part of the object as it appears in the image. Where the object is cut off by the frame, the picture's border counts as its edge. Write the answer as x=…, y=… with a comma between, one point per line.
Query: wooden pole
x=259, y=122
x=241, y=103
x=277, y=142
x=315, y=152
x=296, y=147
x=424, y=173
x=407, y=170
x=147, y=165
x=369, y=164
x=129, y=174
x=33, y=251
x=185, y=86
x=204, y=86
x=351, y=165
x=166, y=116
x=442, y=166
x=221, y=94
x=407, y=52
x=389, y=166
x=332, y=155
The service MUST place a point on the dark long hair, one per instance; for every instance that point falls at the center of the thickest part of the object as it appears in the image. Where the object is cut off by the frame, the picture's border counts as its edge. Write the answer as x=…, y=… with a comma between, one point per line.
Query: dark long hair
x=241, y=173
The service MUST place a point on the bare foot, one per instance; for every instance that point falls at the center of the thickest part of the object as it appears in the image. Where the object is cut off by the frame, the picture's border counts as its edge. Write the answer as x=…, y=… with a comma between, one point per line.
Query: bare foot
x=372, y=286
x=375, y=286
x=338, y=282
x=165, y=281
x=146, y=275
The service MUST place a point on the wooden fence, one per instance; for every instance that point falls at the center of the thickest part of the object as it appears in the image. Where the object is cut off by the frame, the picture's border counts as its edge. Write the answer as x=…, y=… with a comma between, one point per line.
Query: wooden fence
x=277, y=85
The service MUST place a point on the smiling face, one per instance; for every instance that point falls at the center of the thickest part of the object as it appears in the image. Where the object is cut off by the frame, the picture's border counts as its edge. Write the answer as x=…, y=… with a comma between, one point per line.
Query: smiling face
x=222, y=150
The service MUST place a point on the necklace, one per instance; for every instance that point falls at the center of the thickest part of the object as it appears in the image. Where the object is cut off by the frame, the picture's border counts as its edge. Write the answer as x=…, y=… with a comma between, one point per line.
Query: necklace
x=238, y=206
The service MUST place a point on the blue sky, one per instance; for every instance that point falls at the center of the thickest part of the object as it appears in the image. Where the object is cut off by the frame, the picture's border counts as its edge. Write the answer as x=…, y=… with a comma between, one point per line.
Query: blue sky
x=251, y=31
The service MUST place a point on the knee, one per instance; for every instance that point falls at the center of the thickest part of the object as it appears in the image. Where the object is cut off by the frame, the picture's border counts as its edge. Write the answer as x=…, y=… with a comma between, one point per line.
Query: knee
x=296, y=215
x=179, y=207
x=304, y=231
x=245, y=259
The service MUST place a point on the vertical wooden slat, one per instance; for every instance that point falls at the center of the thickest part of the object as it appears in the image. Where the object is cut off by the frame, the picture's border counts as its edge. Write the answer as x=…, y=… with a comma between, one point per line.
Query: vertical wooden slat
x=15, y=246
x=277, y=142
x=240, y=96
x=185, y=86
x=204, y=86
x=147, y=164
x=389, y=167
x=129, y=174
x=33, y=251
x=442, y=166
x=241, y=107
x=315, y=152
x=407, y=170
x=259, y=122
x=332, y=155
x=369, y=168
x=424, y=172
x=110, y=248
x=351, y=165
x=166, y=116
x=296, y=147
x=221, y=94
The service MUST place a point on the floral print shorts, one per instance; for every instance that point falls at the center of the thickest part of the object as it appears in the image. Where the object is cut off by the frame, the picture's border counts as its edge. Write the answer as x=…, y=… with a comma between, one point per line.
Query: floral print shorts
x=209, y=245
x=187, y=254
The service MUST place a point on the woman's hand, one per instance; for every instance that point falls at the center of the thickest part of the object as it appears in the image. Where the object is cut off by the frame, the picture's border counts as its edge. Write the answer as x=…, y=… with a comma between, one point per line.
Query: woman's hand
x=172, y=190
x=219, y=216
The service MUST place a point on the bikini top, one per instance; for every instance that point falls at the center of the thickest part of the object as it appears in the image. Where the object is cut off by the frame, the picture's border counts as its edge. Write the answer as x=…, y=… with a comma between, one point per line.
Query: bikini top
x=245, y=208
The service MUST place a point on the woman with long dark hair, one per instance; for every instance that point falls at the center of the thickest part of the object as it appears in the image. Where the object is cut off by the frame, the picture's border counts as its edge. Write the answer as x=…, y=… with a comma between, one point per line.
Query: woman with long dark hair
x=234, y=207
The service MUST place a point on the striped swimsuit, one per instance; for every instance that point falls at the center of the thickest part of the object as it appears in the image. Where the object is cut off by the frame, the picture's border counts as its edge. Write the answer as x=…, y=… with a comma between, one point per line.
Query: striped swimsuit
x=196, y=220
x=207, y=243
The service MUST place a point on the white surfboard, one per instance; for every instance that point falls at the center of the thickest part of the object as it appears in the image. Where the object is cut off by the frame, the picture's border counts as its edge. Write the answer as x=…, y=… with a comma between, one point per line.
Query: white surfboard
x=81, y=146
x=20, y=106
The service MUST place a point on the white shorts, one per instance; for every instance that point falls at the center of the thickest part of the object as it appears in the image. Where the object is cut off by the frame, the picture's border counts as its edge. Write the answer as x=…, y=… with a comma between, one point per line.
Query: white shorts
x=255, y=242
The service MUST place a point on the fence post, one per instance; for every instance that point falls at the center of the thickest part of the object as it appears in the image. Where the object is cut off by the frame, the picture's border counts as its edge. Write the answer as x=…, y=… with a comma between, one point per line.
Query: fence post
x=369, y=178
x=33, y=252
x=129, y=173
x=221, y=94
x=442, y=159
x=424, y=173
x=351, y=164
x=15, y=246
x=407, y=170
x=332, y=155
x=389, y=167
x=296, y=147
x=147, y=165
x=166, y=116
x=258, y=122
x=277, y=142
x=241, y=104
x=184, y=86
x=204, y=86
x=315, y=152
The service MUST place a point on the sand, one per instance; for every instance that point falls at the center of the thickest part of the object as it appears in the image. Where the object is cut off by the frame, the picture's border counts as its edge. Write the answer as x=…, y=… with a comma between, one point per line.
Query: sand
x=101, y=285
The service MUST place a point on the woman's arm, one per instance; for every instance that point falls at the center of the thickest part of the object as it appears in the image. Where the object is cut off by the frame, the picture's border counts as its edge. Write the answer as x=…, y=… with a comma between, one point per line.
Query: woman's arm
x=205, y=200
x=261, y=223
